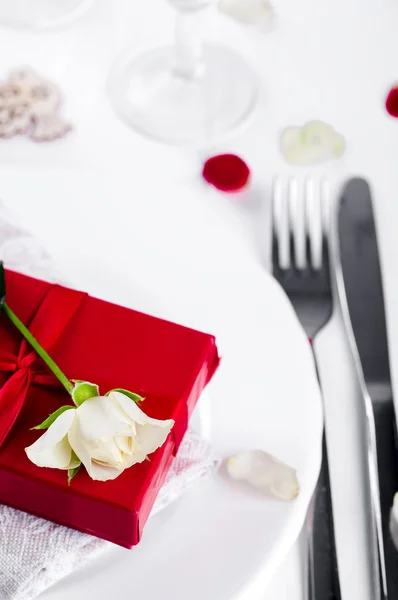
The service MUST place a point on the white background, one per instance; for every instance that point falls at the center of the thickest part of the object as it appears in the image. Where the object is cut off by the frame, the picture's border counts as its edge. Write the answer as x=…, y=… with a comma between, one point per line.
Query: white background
x=331, y=59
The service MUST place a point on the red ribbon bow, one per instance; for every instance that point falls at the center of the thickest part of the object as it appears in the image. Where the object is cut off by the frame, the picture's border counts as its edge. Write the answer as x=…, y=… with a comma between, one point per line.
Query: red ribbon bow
x=48, y=324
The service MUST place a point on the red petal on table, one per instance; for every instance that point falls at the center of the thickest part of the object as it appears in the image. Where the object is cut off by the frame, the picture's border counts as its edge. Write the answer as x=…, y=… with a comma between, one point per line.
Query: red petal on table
x=227, y=172
x=392, y=102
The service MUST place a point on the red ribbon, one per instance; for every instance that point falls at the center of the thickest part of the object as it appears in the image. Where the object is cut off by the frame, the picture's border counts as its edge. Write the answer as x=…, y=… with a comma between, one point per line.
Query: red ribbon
x=47, y=326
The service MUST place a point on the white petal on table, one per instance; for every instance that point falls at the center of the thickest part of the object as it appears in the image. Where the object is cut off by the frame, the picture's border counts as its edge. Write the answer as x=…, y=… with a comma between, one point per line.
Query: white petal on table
x=252, y=12
x=265, y=472
x=314, y=143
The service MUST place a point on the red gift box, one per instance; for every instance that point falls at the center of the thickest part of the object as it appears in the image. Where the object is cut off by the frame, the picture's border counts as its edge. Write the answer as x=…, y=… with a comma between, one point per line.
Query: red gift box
x=114, y=347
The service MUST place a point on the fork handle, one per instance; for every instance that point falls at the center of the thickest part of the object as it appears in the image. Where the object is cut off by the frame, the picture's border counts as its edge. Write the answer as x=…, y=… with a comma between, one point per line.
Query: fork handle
x=323, y=577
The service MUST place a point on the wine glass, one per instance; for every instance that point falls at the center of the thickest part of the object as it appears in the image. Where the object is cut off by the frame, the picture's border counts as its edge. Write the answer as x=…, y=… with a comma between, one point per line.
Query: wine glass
x=191, y=93
x=41, y=14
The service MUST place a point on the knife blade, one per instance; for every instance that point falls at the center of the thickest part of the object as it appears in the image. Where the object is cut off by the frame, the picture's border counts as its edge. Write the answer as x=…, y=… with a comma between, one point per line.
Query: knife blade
x=360, y=288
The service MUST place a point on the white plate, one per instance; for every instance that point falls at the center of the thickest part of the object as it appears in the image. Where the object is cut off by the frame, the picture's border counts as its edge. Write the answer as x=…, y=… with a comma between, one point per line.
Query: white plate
x=217, y=542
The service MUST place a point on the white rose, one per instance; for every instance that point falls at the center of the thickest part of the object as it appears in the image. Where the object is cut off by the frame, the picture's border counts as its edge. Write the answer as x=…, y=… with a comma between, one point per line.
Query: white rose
x=108, y=434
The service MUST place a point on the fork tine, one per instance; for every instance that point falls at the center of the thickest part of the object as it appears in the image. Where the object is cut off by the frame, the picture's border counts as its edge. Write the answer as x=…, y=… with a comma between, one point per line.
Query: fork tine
x=326, y=220
x=326, y=206
x=300, y=224
x=313, y=203
x=281, y=226
x=274, y=231
x=297, y=224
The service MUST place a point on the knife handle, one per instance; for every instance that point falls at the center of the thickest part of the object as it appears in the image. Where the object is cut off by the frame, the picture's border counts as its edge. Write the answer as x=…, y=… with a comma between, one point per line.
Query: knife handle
x=322, y=576
x=387, y=462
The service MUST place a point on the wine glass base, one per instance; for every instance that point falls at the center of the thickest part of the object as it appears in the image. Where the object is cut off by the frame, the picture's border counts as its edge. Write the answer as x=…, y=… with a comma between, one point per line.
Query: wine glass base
x=42, y=15
x=150, y=96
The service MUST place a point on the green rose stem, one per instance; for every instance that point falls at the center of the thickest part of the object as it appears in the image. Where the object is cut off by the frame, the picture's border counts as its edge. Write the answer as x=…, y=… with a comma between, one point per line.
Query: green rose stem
x=39, y=349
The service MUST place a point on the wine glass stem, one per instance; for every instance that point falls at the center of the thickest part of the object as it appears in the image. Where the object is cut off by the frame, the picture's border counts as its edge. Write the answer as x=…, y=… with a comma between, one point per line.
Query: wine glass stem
x=189, y=62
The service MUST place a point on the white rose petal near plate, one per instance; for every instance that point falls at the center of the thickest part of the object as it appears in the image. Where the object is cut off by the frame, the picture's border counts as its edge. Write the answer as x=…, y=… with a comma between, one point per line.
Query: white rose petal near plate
x=316, y=142
x=251, y=12
x=265, y=472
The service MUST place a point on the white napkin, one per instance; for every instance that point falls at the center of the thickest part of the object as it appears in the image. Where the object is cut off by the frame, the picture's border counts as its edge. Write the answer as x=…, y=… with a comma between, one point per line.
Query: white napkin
x=35, y=553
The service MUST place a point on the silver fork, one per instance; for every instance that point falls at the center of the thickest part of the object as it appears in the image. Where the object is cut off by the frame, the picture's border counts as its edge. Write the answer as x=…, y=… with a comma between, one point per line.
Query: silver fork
x=300, y=262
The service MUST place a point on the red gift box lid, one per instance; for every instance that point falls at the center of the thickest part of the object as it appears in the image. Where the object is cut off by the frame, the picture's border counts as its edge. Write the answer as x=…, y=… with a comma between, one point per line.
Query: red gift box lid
x=114, y=347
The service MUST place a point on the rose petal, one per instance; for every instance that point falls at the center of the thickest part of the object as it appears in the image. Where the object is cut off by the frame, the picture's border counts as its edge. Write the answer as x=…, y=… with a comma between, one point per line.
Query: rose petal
x=252, y=12
x=265, y=472
x=100, y=417
x=133, y=459
x=100, y=472
x=227, y=172
x=53, y=449
x=107, y=451
x=125, y=444
x=291, y=144
x=78, y=445
x=392, y=102
x=153, y=435
x=96, y=470
x=311, y=144
x=131, y=409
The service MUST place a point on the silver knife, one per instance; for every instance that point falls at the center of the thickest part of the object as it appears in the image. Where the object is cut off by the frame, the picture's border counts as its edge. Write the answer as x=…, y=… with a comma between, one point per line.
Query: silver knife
x=360, y=288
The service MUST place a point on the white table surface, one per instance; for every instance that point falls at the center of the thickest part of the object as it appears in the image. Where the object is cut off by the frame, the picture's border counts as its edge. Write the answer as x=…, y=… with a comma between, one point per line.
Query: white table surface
x=328, y=60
